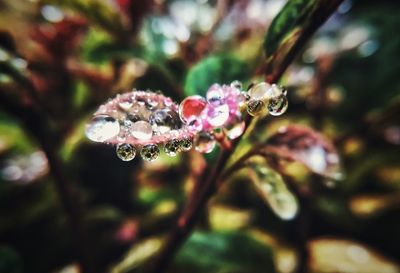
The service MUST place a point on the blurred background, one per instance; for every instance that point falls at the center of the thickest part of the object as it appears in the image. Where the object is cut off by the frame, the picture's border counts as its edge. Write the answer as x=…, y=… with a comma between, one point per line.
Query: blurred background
x=63, y=197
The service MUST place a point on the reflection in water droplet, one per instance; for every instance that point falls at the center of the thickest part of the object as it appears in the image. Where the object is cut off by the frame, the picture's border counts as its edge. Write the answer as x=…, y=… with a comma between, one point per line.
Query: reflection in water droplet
x=126, y=152
x=172, y=147
x=235, y=128
x=186, y=144
x=277, y=105
x=102, y=128
x=164, y=120
x=255, y=107
x=204, y=142
x=150, y=152
x=141, y=130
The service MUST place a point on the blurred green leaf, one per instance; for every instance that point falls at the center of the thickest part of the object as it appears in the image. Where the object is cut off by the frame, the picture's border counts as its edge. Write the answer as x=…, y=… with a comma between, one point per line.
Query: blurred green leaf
x=291, y=28
x=222, y=69
x=141, y=252
x=231, y=252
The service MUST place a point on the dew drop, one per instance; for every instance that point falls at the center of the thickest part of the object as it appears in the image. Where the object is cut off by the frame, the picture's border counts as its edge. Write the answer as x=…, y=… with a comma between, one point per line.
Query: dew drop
x=126, y=152
x=192, y=106
x=204, y=142
x=141, y=130
x=172, y=147
x=255, y=107
x=214, y=94
x=277, y=105
x=235, y=128
x=284, y=204
x=217, y=115
x=102, y=128
x=186, y=144
x=164, y=120
x=150, y=152
x=237, y=84
x=259, y=91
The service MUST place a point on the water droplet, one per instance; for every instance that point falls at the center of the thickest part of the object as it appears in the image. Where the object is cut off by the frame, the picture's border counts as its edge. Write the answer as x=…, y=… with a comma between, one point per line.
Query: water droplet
x=102, y=128
x=259, y=91
x=215, y=94
x=126, y=104
x=186, y=144
x=192, y=106
x=172, y=147
x=255, y=107
x=235, y=128
x=141, y=130
x=204, y=142
x=284, y=204
x=126, y=152
x=195, y=124
x=237, y=84
x=277, y=105
x=164, y=120
x=217, y=115
x=150, y=152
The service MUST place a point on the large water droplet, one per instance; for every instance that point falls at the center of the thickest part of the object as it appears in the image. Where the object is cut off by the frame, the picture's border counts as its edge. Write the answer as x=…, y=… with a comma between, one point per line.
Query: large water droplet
x=284, y=204
x=172, y=147
x=217, y=115
x=235, y=127
x=126, y=152
x=214, y=94
x=256, y=107
x=204, y=142
x=259, y=91
x=141, y=130
x=191, y=107
x=102, y=128
x=277, y=105
x=164, y=120
x=150, y=152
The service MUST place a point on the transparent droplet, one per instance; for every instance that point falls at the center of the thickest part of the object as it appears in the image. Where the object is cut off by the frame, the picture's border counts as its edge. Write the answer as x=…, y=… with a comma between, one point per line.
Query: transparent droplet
x=102, y=128
x=277, y=105
x=256, y=107
x=164, y=120
x=150, y=152
x=172, y=147
x=235, y=127
x=186, y=144
x=214, y=94
x=259, y=91
x=195, y=124
x=141, y=130
x=284, y=204
x=126, y=104
x=237, y=84
x=204, y=142
x=217, y=115
x=126, y=152
x=191, y=107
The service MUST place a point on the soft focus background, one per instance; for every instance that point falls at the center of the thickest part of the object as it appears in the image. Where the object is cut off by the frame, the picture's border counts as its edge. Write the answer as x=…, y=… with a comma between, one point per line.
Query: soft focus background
x=60, y=59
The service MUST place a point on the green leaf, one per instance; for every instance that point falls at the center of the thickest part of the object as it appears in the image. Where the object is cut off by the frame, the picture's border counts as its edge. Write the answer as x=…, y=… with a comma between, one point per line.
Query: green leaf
x=222, y=69
x=223, y=252
x=290, y=29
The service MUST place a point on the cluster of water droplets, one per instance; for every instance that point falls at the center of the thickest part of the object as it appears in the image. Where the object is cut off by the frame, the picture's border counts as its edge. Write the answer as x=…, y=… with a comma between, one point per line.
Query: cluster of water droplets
x=266, y=98
x=144, y=121
x=140, y=121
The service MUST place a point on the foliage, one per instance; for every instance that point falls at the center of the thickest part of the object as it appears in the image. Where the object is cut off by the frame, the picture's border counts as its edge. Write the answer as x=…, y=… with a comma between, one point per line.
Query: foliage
x=314, y=190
